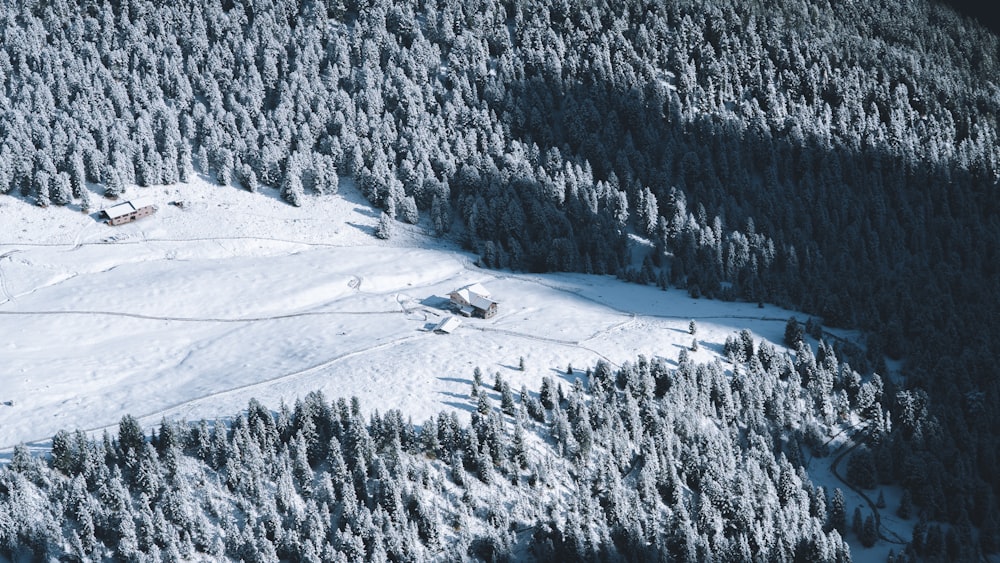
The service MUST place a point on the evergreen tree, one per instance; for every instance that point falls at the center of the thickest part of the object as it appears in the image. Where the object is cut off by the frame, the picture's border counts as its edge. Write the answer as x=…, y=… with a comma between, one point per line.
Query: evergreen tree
x=131, y=438
x=838, y=512
x=408, y=210
x=506, y=399
x=905, y=510
x=41, y=188
x=384, y=228
x=547, y=394
x=85, y=202
x=113, y=186
x=793, y=333
x=61, y=189
x=291, y=184
x=483, y=406
x=869, y=535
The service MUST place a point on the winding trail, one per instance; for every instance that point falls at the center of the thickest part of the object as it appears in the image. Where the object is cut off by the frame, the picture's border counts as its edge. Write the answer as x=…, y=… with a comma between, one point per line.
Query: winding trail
x=884, y=533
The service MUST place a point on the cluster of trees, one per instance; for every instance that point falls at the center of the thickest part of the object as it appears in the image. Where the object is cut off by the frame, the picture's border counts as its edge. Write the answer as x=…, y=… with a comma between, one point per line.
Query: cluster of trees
x=647, y=461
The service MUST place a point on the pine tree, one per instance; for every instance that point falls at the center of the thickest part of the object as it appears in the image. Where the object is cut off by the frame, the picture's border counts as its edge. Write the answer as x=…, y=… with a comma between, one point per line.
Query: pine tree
x=506, y=399
x=861, y=469
x=130, y=435
x=62, y=452
x=547, y=394
x=408, y=210
x=383, y=229
x=41, y=188
x=905, y=510
x=483, y=406
x=869, y=535
x=291, y=184
x=793, y=333
x=113, y=186
x=248, y=178
x=184, y=163
x=61, y=189
x=77, y=174
x=838, y=512
x=85, y=203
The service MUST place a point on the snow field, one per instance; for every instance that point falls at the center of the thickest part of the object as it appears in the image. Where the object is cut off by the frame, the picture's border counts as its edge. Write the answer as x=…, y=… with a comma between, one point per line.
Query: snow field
x=191, y=312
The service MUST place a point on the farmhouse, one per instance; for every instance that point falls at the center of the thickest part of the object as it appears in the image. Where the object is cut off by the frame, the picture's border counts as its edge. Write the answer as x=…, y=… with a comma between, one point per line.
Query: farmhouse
x=474, y=300
x=128, y=211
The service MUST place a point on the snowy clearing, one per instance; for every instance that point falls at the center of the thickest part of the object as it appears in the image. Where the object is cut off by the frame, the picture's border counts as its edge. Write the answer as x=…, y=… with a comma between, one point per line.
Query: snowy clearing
x=191, y=312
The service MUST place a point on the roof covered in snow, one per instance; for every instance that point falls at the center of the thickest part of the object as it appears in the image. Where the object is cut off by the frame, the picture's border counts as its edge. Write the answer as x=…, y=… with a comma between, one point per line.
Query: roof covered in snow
x=127, y=207
x=480, y=302
x=119, y=210
x=477, y=289
x=448, y=324
x=475, y=295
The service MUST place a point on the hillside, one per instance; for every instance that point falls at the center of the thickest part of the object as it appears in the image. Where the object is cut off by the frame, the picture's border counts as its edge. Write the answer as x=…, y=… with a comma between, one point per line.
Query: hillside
x=832, y=158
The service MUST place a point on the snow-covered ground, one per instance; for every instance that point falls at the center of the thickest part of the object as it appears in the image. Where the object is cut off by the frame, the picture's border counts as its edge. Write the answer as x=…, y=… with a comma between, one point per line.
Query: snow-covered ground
x=193, y=311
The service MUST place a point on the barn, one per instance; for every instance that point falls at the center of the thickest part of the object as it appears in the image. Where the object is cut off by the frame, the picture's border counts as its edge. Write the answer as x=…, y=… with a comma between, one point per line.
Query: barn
x=128, y=211
x=474, y=300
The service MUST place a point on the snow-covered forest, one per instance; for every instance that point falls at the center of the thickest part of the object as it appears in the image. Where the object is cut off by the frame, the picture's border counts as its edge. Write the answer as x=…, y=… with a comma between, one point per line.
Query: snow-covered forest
x=837, y=158
x=646, y=462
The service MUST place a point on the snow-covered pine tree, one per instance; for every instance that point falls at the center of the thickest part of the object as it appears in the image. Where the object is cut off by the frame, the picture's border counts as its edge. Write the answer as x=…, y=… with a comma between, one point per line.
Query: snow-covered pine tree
x=384, y=228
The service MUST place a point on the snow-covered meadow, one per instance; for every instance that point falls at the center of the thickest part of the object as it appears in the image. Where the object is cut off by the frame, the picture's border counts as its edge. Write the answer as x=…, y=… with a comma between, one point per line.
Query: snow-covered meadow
x=191, y=312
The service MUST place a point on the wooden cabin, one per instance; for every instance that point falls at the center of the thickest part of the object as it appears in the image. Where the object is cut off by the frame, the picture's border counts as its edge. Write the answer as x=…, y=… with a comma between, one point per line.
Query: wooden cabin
x=128, y=211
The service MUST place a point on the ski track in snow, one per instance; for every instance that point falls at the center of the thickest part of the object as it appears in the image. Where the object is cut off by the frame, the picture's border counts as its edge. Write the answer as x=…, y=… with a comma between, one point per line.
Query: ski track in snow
x=180, y=409
x=3, y=280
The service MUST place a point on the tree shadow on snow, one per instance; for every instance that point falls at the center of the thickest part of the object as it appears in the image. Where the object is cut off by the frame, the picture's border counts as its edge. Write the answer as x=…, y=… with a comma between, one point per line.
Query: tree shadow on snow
x=572, y=377
x=459, y=406
x=456, y=380
x=370, y=231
